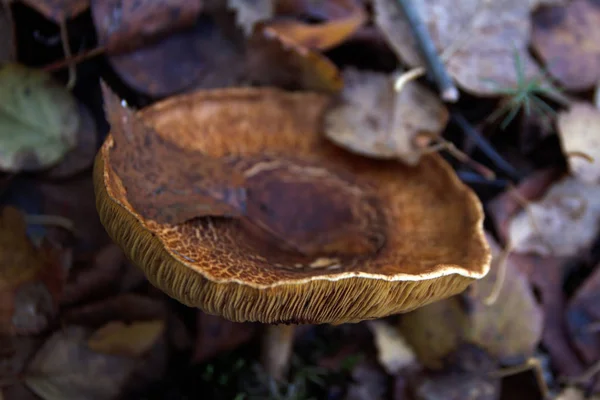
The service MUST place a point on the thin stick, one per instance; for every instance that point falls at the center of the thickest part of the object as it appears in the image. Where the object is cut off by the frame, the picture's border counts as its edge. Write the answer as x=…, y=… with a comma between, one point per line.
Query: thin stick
x=485, y=146
x=530, y=364
x=435, y=66
x=75, y=59
x=64, y=38
x=502, y=265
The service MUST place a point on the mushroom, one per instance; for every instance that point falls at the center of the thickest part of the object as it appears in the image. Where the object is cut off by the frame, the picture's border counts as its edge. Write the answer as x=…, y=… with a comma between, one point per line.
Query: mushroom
x=314, y=235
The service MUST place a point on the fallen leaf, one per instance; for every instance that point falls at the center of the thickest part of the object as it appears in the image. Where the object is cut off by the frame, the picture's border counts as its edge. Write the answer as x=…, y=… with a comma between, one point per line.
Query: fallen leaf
x=183, y=185
x=567, y=40
x=435, y=330
x=373, y=119
x=90, y=281
x=506, y=205
x=66, y=368
x=7, y=33
x=340, y=19
x=130, y=340
x=510, y=327
x=393, y=352
x=563, y=223
x=577, y=130
x=249, y=12
x=466, y=377
x=82, y=156
x=123, y=25
x=370, y=383
x=30, y=279
x=583, y=318
x=216, y=335
x=58, y=10
x=483, y=37
x=38, y=122
x=571, y=393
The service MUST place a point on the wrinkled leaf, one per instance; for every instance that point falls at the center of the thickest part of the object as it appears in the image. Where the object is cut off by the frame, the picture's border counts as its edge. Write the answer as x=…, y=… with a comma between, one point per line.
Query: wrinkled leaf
x=249, y=12
x=563, y=223
x=583, y=318
x=39, y=119
x=567, y=38
x=58, y=10
x=510, y=327
x=393, y=352
x=130, y=340
x=125, y=25
x=66, y=368
x=30, y=278
x=578, y=131
x=341, y=18
x=482, y=36
x=182, y=185
x=374, y=120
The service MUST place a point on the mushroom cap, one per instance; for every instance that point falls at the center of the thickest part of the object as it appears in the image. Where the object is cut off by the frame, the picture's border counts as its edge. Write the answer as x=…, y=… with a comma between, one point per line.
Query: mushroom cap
x=434, y=242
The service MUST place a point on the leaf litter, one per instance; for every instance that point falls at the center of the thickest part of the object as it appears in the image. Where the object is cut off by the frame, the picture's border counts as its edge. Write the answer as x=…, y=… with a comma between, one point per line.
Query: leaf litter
x=97, y=329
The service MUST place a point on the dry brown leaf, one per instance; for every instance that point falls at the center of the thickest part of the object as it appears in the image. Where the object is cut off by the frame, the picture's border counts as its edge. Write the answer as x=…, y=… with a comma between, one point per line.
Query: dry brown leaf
x=511, y=326
x=583, y=318
x=216, y=334
x=563, y=223
x=250, y=12
x=481, y=38
x=341, y=18
x=30, y=278
x=130, y=340
x=123, y=25
x=393, y=352
x=374, y=120
x=568, y=41
x=578, y=131
x=167, y=183
x=66, y=368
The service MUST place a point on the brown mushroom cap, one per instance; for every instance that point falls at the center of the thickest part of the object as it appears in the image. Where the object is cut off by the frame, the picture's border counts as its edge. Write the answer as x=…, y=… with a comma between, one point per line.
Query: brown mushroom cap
x=434, y=243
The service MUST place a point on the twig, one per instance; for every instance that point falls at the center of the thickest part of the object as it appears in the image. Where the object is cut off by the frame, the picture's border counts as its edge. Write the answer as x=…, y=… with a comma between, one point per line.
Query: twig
x=531, y=364
x=501, y=265
x=64, y=38
x=471, y=177
x=75, y=59
x=435, y=66
x=485, y=146
x=592, y=371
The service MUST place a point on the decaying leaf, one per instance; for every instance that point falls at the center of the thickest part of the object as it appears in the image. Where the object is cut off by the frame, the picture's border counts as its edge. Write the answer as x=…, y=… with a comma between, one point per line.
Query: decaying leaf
x=130, y=340
x=341, y=18
x=480, y=38
x=216, y=334
x=182, y=186
x=583, y=318
x=39, y=119
x=568, y=40
x=511, y=326
x=392, y=350
x=563, y=223
x=578, y=131
x=123, y=25
x=374, y=120
x=369, y=383
x=66, y=368
x=82, y=156
x=58, y=10
x=467, y=376
x=249, y=12
x=30, y=279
